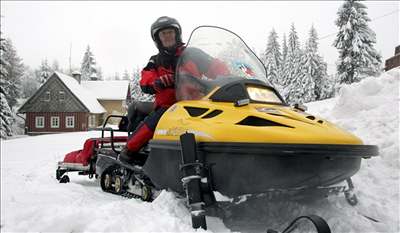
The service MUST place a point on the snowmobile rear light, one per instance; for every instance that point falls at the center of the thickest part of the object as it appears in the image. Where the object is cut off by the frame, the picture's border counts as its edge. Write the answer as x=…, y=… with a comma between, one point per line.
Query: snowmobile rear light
x=257, y=121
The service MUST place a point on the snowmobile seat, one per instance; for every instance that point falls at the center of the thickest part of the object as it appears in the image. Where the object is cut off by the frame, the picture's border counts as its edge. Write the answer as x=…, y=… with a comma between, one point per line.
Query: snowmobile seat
x=137, y=111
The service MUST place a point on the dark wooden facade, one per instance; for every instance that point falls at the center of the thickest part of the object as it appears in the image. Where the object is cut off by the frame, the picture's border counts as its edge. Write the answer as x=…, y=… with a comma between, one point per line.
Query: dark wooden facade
x=393, y=61
x=80, y=122
x=55, y=101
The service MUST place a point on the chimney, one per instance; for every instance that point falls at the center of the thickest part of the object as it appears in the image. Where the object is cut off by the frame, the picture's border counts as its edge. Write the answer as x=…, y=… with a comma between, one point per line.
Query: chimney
x=77, y=75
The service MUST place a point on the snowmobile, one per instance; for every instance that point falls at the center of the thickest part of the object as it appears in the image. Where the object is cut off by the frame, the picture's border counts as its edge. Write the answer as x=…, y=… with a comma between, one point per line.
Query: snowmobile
x=234, y=134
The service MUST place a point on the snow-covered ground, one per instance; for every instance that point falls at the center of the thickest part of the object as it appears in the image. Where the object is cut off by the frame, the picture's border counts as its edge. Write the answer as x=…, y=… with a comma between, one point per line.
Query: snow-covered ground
x=33, y=200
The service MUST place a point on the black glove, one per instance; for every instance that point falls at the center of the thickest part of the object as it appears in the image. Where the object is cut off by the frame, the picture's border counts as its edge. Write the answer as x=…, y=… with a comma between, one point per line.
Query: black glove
x=165, y=81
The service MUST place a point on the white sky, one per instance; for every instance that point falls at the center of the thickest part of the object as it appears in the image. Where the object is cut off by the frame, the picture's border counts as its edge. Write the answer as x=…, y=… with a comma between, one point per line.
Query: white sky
x=119, y=32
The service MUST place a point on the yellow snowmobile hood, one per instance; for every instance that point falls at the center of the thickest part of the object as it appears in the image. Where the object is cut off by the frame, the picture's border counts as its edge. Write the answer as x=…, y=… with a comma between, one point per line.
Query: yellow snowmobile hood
x=253, y=123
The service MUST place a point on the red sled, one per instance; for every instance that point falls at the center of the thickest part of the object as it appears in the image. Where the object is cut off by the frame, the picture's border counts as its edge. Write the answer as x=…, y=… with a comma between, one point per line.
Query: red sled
x=84, y=161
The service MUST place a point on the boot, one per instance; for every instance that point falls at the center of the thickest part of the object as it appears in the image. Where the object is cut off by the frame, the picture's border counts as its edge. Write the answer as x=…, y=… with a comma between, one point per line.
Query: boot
x=126, y=156
x=137, y=140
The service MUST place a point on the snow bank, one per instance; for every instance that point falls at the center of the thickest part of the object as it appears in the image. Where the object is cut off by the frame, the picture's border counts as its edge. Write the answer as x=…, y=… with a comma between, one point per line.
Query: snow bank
x=370, y=110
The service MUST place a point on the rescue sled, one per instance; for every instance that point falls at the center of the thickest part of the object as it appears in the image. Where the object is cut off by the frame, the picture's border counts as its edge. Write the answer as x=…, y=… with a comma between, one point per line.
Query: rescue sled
x=84, y=161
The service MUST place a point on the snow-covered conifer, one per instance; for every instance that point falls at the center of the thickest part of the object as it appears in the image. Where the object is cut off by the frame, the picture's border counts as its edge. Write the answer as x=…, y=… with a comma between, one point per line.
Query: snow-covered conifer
x=44, y=71
x=5, y=110
x=99, y=73
x=29, y=82
x=273, y=58
x=329, y=87
x=283, y=70
x=284, y=50
x=125, y=75
x=136, y=91
x=116, y=76
x=314, y=68
x=355, y=42
x=55, y=66
x=292, y=69
x=88, y=67
x=14, y=70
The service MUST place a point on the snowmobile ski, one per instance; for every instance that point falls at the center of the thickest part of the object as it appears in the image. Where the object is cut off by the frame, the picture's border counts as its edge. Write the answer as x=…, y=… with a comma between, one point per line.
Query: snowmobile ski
x=320, y=224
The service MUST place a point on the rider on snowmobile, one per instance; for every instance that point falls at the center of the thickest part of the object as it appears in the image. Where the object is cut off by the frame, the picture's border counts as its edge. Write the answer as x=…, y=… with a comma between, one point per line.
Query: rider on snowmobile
x=158, y=78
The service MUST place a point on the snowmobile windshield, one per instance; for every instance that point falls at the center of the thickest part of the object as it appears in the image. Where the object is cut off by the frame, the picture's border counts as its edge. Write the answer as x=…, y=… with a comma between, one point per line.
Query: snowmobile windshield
x=215, y=57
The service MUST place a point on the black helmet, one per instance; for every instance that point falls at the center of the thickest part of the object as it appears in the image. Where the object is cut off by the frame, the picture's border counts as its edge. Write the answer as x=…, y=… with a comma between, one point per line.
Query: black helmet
x=162, y=23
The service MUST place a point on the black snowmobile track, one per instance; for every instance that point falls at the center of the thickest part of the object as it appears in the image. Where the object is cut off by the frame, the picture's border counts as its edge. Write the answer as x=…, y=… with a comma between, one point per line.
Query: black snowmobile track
x=111, y=166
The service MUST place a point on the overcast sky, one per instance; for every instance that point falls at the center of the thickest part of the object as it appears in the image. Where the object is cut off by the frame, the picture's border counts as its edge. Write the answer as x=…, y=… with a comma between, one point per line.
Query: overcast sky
x=119, y=32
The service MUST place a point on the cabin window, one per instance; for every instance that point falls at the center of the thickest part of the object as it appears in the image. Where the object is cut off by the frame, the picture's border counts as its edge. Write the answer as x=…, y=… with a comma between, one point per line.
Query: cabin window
x=70, y=122
x=55, y=122
x=61, y=95
x=92, y=121
x=39, y=122
x=47, y=96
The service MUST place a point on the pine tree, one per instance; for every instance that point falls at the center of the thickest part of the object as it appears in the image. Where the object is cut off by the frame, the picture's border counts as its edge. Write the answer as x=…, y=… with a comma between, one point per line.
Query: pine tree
x=284, y=51
x=328, y=87
x=283, y=70
x=273, y=58
x=5, y=110
x=29, y=83
x=99, y=73
x=14, y=70
x=136, y=91
x=292, y=70
x=44, y=71
x=125, y=76
x=88, y=67
x=355, y=42
x=56, y=66
x=314, y=68
x=116, y=76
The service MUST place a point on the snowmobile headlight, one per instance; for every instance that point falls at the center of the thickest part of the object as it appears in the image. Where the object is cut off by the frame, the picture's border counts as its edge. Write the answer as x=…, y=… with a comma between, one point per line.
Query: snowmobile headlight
x=269, y=110
x=262, y=94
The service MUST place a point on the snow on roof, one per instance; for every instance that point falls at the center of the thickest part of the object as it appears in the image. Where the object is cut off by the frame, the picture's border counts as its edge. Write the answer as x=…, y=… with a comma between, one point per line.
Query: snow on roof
x=107, y=90
x=85, y=96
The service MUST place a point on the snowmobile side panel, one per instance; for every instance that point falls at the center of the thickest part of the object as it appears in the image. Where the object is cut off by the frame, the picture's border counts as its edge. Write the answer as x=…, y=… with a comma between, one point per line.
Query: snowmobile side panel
x=247, y=168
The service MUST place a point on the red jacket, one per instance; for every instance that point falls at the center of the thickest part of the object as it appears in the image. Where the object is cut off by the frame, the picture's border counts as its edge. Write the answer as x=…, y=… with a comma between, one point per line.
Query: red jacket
x=154, y=70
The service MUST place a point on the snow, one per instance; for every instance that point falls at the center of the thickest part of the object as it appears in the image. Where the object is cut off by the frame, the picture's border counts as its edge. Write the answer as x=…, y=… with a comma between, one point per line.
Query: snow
x=33, y=200
x=107, y=90
x=85, y=96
